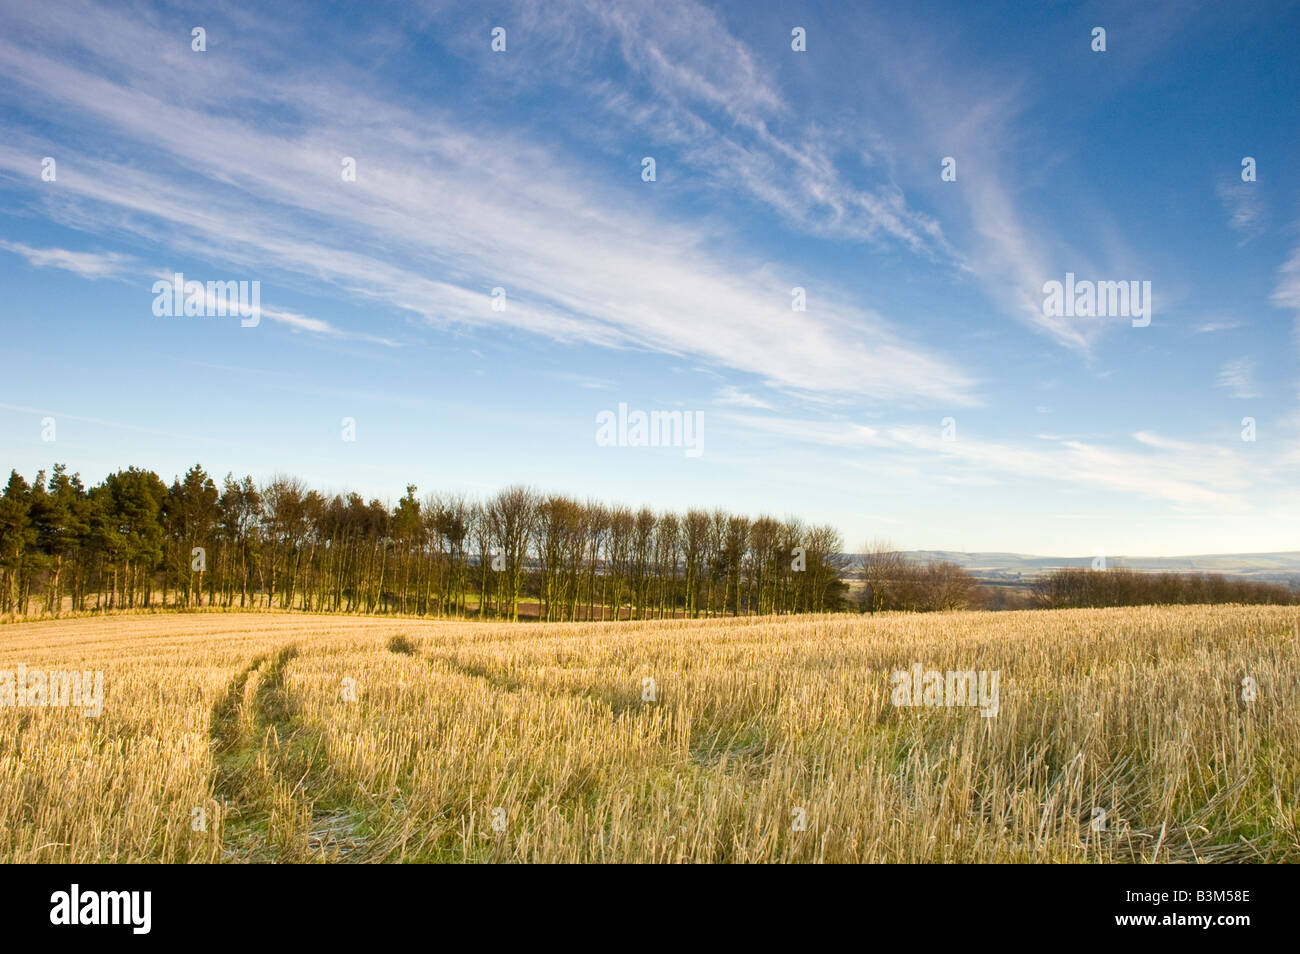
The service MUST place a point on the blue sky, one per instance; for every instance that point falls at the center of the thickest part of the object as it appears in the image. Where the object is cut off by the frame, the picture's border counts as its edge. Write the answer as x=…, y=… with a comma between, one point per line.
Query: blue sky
x=819, y=169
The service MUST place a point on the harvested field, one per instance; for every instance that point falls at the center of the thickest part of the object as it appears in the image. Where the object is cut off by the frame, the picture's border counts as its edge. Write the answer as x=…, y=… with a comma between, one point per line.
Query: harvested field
x=1120, y=735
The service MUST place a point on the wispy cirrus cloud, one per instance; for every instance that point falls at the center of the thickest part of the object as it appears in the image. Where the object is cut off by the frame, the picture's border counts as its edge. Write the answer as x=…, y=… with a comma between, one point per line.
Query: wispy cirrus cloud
x=477, y=209
x=1245, y=208
x=101, y=265
x=112, y=265
x=732, y=396
x=1220, y=324
x=1182, y=473
x=93, y=265
x=1286, y=293
x=693, y=87
x=1238, y=377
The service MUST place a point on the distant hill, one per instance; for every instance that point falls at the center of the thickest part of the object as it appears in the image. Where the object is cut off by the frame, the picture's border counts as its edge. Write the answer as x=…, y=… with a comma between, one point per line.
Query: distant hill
x=1283, y=567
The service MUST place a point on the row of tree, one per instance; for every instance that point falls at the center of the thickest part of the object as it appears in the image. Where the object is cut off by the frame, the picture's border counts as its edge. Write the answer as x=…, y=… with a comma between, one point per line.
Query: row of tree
x=1075, y=587
x=892, y=581
x=135, y=541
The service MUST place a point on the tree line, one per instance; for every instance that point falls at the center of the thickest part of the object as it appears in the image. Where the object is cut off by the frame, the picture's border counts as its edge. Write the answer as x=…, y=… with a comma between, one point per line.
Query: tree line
x=892, y=581
x=1079, y=587
x=134, y=541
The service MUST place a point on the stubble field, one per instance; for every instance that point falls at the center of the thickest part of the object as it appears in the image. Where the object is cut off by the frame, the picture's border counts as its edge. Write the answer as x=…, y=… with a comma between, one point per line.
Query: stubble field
x=1121, y=736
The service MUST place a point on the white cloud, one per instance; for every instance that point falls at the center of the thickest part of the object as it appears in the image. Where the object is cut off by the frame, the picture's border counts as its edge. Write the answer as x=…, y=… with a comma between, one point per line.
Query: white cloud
x=291, y=319
x=1286, y=294
x=1238, y=377
x=585, y=381
x=713, y=101
x=1210, y=327
x=92, y=265
x=734, y=397
x=1188, y=475
x=1244, y=206
x=477, y=209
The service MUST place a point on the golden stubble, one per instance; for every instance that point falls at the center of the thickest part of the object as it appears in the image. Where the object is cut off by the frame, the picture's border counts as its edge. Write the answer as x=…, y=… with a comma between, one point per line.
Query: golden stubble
x=279, y=737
